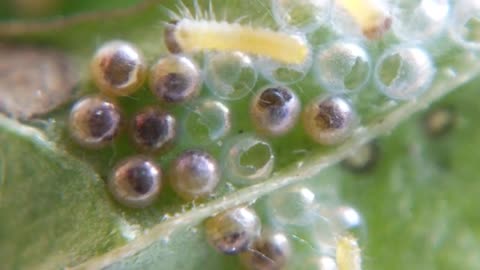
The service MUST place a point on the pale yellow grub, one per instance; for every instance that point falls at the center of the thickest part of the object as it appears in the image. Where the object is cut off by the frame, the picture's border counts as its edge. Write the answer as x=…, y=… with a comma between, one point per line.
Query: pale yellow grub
x=370, y=15
x=348, y=254
x=191, y=36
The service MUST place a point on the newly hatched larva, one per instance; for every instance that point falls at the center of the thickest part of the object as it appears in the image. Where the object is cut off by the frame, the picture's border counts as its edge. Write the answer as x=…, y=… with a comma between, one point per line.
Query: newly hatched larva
x=348, y=253
x=94, y=121
x=188, y=35
x=233, y=231
x=274, y=110
x=371, y=16
x=153, y=129
x=270, y=252
x=136, y=182
x=118, y=68
x=194, y=174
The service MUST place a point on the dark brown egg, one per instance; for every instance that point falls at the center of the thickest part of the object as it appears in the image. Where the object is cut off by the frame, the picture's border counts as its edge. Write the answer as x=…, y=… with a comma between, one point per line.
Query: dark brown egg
x=329, y=119
x=136, y=182
x=94, y=121
x=175, y=79
x=118, y=68
x=233, y=231
x=153, y=129
x=275, y=110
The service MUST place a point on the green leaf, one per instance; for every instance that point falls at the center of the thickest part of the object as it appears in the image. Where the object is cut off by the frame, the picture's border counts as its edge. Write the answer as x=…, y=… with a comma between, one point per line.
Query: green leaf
x=54, y=208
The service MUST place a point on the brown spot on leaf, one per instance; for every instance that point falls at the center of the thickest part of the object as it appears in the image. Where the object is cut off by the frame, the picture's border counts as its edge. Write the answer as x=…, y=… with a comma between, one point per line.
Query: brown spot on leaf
x=33, y=80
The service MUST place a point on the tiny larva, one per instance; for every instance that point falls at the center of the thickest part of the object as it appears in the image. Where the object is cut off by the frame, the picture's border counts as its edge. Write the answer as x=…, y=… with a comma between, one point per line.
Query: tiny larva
x=370, y=15
x=348, y=253
x=189, y=35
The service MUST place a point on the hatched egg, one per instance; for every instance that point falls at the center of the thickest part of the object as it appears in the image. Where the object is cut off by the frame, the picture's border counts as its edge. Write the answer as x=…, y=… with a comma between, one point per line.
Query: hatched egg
x=342, y=67
x=304, y=15
x=404, y=72
x=293, y=206
x=420, y=21
x=465, y=23
x=230, y=75
x=247, y=159
x=207, y=121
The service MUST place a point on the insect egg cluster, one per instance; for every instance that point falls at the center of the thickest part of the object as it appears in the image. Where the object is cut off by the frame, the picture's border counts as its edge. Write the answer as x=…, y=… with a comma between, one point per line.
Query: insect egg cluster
x=230, y=104
x=119, y=69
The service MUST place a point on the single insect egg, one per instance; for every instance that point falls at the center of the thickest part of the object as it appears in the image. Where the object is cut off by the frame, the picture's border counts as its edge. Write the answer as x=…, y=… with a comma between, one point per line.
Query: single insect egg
x=362, y=159
x=329, y=119
x=233, y=231
x=136, y=182
x=118, y=68
x=94, y=121
x=439, y=121
x=270, y=252
x=153, y=129
x=189, y=36
x=175, y=79
x=274, y=110
x=194, y=174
